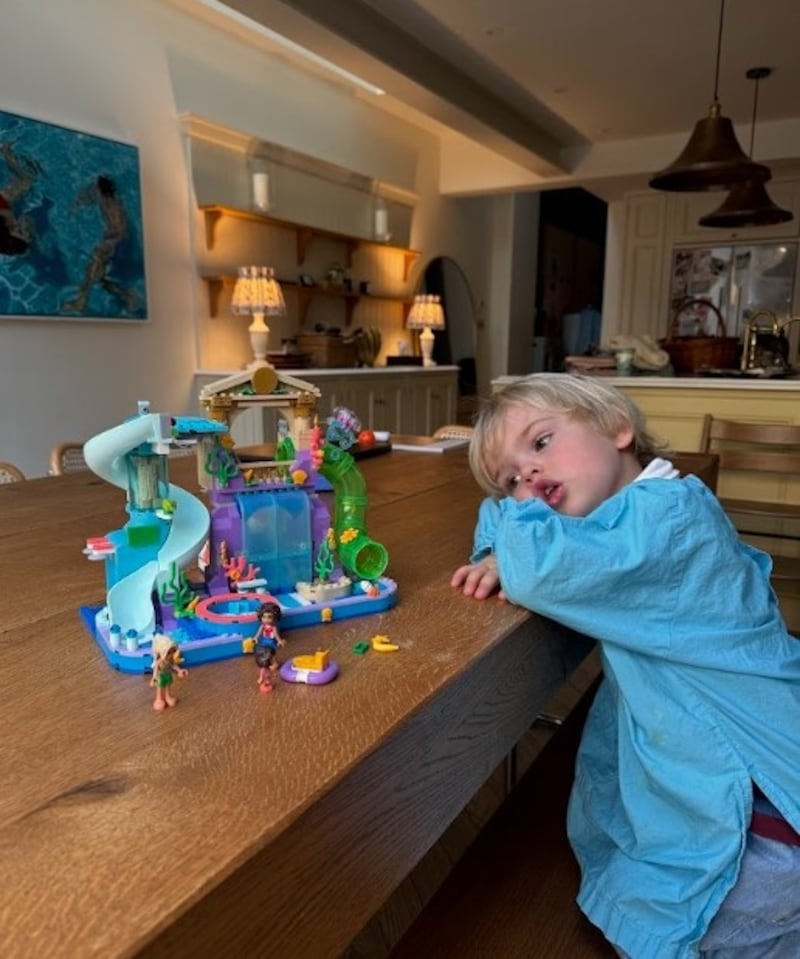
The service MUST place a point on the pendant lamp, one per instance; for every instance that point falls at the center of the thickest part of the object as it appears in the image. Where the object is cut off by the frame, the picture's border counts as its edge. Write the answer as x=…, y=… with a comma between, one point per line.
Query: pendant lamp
x=713, y=158
x=748, y=203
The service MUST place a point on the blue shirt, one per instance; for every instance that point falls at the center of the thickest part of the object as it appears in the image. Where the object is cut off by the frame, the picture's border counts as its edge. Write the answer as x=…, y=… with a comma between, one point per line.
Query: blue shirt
x=700, y=697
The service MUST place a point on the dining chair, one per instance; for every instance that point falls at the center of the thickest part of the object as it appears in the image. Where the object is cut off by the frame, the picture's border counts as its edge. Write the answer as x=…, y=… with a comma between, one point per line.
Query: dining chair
x=66, y=457
x=705, y=466
x=10, y=473
x=761, y=450
x=453, y=431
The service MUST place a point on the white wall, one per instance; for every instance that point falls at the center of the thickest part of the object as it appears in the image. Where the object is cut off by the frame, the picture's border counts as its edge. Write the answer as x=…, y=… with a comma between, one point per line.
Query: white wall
x=113, y=69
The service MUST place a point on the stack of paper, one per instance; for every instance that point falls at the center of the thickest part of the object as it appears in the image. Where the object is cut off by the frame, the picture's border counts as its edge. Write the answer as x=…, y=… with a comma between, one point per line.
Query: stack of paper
x=426, y=444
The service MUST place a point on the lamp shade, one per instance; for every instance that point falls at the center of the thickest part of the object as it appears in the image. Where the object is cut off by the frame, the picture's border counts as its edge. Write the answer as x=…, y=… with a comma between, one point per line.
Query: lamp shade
x=747, y=204
x=257, y=291
x=711, y=160
x=426, y=313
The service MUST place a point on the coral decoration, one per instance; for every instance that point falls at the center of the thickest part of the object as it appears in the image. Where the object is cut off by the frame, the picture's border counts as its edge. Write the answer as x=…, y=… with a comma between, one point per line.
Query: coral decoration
x=235, y=569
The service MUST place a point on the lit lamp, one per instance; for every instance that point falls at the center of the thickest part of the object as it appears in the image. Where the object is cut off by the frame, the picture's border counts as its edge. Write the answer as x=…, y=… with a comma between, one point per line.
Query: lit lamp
x=258, y=294
x=426, y=314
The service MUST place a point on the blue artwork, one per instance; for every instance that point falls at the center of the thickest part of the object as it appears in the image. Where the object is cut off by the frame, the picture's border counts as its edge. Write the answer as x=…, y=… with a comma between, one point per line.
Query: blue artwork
x=70, y=224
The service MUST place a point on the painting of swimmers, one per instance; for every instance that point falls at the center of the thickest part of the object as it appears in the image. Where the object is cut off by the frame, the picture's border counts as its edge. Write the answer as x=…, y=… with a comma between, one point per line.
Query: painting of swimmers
x=71, y=239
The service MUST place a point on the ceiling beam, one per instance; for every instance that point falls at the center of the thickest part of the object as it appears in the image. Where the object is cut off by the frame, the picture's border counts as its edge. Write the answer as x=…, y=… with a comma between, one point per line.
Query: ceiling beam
x=462, y=99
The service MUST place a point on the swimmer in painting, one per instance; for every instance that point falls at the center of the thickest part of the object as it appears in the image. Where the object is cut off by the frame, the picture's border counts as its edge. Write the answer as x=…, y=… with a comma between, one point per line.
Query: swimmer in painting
x=103, y=192
x=16, y=231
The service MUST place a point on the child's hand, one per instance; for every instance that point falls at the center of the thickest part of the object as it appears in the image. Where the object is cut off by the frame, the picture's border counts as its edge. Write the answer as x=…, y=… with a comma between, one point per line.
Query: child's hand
x=478, y=579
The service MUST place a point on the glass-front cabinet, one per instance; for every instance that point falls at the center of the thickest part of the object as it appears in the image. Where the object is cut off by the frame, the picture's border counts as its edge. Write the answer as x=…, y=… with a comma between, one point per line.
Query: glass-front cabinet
x=739, y=279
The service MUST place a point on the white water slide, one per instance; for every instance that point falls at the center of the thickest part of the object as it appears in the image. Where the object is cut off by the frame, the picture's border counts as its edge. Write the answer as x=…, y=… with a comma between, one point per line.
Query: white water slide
x=130, y=604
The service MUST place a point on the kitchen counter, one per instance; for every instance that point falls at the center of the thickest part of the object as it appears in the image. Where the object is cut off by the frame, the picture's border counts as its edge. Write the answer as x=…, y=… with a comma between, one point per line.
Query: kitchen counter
x=675, y=405
x=774, y=385
x=401, y=399
x=317, y=372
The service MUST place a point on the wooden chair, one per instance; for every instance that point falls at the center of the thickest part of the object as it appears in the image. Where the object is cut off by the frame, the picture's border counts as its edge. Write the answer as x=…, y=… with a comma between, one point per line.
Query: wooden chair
x=10, y=473
x=66, y=457
x=761, y=450
x=453, y=431
x=704, y=466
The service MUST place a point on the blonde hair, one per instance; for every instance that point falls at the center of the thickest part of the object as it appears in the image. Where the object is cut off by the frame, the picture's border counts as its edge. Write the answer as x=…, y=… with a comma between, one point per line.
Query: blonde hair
x=162, y=644
x=587, y=398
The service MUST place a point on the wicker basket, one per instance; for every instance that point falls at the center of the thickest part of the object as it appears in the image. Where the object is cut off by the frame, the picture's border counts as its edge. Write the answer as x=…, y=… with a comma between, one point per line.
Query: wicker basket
x=327, y=352
x=690, y=354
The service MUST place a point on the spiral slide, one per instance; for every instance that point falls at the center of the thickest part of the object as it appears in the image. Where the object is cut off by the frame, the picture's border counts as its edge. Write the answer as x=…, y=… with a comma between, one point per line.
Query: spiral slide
x=130, y=604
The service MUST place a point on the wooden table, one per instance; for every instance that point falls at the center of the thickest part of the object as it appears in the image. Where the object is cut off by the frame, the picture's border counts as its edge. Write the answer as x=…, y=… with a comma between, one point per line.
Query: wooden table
x=241, y=823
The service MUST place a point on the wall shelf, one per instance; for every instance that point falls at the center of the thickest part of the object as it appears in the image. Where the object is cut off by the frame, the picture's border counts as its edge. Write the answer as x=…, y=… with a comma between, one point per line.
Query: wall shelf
x=305, y=294
x=304, y=235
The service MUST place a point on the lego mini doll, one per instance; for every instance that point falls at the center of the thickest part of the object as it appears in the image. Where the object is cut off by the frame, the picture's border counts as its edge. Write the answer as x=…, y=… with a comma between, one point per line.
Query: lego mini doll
x=165, y=668
x=268, y=639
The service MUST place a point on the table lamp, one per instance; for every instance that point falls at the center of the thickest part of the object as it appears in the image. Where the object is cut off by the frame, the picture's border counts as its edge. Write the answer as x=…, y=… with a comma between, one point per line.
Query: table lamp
x=258, y=294
x=426, y=314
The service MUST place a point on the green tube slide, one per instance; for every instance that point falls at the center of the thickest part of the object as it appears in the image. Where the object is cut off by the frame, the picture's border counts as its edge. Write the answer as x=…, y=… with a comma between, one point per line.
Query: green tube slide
x=361, y=556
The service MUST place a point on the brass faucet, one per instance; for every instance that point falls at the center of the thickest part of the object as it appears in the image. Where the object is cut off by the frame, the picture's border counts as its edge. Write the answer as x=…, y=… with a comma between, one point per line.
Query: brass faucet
x=751, y=331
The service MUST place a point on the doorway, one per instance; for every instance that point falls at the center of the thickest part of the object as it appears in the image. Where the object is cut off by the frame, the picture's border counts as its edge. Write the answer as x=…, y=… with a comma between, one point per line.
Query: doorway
x=571, y=263
x=455, y=344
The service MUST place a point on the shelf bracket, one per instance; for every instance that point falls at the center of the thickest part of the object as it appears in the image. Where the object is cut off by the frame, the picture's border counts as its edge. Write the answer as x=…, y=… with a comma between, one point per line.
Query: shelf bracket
x=216, y=284
x=409, y=256
x=303, y=238
x=212, y=218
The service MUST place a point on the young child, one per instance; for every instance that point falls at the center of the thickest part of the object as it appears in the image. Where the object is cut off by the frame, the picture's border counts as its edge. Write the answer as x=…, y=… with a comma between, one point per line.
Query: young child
x=685, y=810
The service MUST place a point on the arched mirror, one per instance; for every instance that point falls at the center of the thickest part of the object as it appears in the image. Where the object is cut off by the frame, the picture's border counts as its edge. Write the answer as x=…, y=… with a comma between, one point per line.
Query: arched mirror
x=455, y=344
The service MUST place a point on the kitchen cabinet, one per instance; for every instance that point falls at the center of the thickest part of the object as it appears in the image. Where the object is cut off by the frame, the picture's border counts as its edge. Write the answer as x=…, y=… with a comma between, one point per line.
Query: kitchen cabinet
x=653, y=226
x=645, y=265
x=435, y=400
x=413, y=400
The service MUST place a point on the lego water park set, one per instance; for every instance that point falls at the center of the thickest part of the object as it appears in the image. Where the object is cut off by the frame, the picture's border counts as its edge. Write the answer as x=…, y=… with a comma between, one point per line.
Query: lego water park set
x=191, y=582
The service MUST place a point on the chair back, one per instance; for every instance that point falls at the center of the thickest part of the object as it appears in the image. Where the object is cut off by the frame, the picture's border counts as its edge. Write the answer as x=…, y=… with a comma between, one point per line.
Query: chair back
x=760, y=464
x=67, y=457
x=10, y=473
x=453, y=431
x=704, y=466
x=759, y=447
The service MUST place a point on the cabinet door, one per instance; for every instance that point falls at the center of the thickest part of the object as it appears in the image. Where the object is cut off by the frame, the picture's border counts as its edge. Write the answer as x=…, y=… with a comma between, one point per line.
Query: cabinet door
x=645, y=269
x=436, y=401
x=379, y=401
x=336, y=391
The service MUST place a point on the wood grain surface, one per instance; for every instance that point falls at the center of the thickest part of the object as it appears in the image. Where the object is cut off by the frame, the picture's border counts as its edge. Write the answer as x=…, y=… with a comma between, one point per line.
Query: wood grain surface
x=239, y=823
